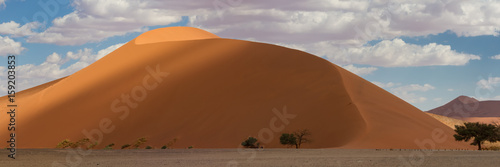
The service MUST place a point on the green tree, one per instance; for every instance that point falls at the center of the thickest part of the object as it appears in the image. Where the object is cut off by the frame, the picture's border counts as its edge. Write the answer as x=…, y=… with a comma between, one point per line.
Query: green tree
x=296, y=138
x=479, y=131
x=289, y=139
x=251, y=142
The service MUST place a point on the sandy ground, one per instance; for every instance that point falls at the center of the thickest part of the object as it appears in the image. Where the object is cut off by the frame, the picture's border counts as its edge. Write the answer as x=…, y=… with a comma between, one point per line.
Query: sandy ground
x=265, y=157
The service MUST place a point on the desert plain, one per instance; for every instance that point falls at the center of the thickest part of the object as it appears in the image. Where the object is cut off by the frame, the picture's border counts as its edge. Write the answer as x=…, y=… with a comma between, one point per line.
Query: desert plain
x=254, y=157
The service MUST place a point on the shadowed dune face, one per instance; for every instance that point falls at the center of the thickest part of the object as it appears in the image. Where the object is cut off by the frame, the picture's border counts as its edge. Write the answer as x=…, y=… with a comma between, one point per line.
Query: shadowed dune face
x=210, y=92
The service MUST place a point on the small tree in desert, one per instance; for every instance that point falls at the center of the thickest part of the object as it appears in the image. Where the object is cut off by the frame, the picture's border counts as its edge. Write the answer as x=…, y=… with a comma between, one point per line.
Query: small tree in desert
x=479, y=132
x=288, y=139
x=296, y=138
x=302, y=137
x=251, y=142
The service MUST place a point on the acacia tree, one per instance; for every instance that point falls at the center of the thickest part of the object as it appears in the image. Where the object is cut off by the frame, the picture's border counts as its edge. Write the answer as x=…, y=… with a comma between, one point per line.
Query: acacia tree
x=479, y=131
x=289, y=139
x=251, y=142
x=302, y=136
x=296, y=138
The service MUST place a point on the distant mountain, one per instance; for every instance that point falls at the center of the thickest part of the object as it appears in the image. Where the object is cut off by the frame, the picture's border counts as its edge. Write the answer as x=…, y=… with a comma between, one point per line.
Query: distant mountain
x=465, y=107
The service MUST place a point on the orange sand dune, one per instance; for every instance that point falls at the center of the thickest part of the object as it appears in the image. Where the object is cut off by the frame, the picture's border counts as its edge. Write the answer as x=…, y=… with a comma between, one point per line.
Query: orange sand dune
x=210, y=92
x=487, y=120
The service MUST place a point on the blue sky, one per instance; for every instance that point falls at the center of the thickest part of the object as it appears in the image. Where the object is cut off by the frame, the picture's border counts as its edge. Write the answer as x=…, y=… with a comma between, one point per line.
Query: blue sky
x=425, y=52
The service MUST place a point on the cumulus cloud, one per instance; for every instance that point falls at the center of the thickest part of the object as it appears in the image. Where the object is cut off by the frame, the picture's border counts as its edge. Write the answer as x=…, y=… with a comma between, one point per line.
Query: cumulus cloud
x=409, y=93
x=489, y=83
x=314, y=21
x=487, y=99
x=497, y=57
x=386, y=85
x=359, y=70
x=16, y=30
x=2, y=3
x=397, y=53
x=9, y=46
x=95, y=20
x=334, y=22
x=30, y=75
x=487, y=89
x=414, y=87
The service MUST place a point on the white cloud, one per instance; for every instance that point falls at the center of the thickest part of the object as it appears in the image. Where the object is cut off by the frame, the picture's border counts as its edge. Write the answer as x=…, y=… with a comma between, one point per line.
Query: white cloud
x=9, y=46
x=337, y=23
x=95, y=20
x=397, y=53
x=451, y=90
x=16, y=30
x=30, y=75
x=2, y=3
x=497, y=57
x=409, y=93
x=386, y=85
x=325, y=20
x=488, y=99
x=360, y=70
x=414, y=87
x=489, y=83
x=487, y=88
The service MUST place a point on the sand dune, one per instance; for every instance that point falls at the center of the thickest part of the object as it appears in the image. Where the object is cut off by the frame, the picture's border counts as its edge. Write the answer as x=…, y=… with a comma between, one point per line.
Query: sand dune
x=488, y=120
x=210, y=92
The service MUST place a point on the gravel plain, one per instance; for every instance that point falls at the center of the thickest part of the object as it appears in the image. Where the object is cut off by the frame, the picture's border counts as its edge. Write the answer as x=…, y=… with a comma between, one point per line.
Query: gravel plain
x=249, y=157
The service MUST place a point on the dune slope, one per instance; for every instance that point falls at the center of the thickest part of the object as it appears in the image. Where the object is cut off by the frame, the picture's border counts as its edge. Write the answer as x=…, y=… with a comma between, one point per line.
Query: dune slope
x=210, y=92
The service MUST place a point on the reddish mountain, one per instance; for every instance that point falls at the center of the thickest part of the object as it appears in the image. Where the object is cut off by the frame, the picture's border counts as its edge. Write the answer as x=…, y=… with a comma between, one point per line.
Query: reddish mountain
x=466, y=107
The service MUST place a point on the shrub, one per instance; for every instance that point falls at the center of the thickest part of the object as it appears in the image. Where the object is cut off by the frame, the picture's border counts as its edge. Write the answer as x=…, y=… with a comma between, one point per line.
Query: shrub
x=251, y=142
x=164, y=147
x=494, y=148
x=64, y=144
x=110, y=146
x=190, y=147
x=149, y=147
x=125, y=146
x=91, y=146
x=139, y=142
x=171, y=143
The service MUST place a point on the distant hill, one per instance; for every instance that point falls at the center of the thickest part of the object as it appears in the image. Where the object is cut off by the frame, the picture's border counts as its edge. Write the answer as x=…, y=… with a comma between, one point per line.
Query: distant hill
x=465, y=107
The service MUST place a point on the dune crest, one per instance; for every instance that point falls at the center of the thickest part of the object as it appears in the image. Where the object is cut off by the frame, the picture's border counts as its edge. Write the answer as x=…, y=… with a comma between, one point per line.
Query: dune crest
x=173, y=34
